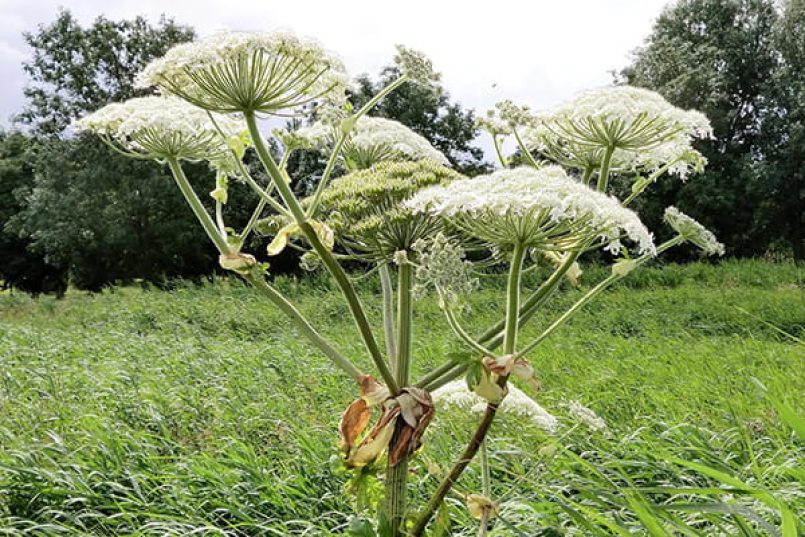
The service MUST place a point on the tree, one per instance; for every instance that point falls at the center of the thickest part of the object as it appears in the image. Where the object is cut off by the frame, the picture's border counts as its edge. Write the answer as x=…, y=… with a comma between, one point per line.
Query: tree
x=717, y=57
x=429, y=112
x=76, y=70
x=19, y=266
x=784, y=151
x=105, y=217
x=108, y=218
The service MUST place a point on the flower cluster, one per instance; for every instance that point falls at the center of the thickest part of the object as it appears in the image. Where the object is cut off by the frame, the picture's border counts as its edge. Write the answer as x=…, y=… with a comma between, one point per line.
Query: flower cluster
x=440, y=265
x=693, y=231
x=457, y=394
x=249, y=72
x=415, y=65
x=644, y=131
x=164, y=128
x=372, y=140
x=364, y=207
x=626, y=117
x=504, y=118
x=535, y=207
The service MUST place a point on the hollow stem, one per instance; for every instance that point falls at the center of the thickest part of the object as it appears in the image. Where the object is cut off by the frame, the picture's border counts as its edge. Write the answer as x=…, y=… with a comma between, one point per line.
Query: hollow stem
x=397, y=475
x=388, y=312
x=295, y=208
x=198, y=208
x=513, y=299
x=303, y=325
x=603, y=175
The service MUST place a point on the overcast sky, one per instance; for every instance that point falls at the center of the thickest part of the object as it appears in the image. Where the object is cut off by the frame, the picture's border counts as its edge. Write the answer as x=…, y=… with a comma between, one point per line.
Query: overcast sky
x=537, y=52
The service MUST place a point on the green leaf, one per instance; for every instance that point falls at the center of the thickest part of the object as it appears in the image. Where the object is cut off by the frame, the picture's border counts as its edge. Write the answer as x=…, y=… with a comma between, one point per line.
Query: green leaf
x=786, y=413
x=646, y=516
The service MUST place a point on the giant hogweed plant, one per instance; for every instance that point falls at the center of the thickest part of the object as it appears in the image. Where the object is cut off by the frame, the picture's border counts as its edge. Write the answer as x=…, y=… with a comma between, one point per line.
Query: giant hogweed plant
x=400, y=208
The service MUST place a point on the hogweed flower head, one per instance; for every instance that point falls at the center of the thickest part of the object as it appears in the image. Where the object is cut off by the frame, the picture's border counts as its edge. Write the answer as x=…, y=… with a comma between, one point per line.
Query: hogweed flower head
x=504, y=118
x=693, y=231
x=364, y=208
x=517, y=402
x=644, y=131
x=249, y=72
x=441, y=265
x=372, y=140
x=164, y=128
x=415, y=65
x=626, y=117
x=532, y=207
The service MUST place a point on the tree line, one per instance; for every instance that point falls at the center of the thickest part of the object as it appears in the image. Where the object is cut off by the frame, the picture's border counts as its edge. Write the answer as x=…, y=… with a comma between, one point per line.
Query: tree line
x=73, y=210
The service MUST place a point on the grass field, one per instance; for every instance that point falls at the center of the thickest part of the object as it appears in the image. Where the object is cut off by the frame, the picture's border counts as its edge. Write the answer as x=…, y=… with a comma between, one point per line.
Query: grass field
x=145, y=412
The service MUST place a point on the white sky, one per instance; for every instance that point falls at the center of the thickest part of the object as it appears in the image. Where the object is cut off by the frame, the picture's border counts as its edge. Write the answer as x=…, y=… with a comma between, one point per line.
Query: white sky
x=535, y=52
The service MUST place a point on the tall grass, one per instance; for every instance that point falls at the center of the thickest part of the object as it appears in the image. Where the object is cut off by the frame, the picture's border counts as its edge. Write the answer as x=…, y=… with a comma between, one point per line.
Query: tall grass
x=142, y=412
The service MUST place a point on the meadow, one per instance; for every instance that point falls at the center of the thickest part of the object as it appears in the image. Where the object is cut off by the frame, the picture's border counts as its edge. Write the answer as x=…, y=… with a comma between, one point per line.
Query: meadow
x=197, y=411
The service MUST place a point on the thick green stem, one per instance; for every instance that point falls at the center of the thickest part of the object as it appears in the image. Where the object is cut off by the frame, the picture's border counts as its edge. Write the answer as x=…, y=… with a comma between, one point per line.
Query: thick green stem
x=603, y=174
x=525, y=150
x=513, y=299
x=494, y=334
x=197, y=207
x=405, y=318
x=303, y=325
x=397, y=475
x=595, y=291
x=259, y=282
x=343, y=135
x=388, y=313
x=295, y=208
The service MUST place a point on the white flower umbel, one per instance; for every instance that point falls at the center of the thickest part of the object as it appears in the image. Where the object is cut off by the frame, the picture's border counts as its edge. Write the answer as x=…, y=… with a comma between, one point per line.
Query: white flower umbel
x=163, y=128
x=457, y=394
x=249, y=72
x=626, y=117
x=441, y=265
x=693, y=231
x=372, y=140
x=533, y=207
x=643, y=130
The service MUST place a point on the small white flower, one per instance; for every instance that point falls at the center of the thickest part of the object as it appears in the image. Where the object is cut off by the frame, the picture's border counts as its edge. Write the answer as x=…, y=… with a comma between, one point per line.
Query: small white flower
x=693, y=231
x=587, y=416
x=536, y=207
x=164, y=127
x=457, y=394
x=249, y=71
